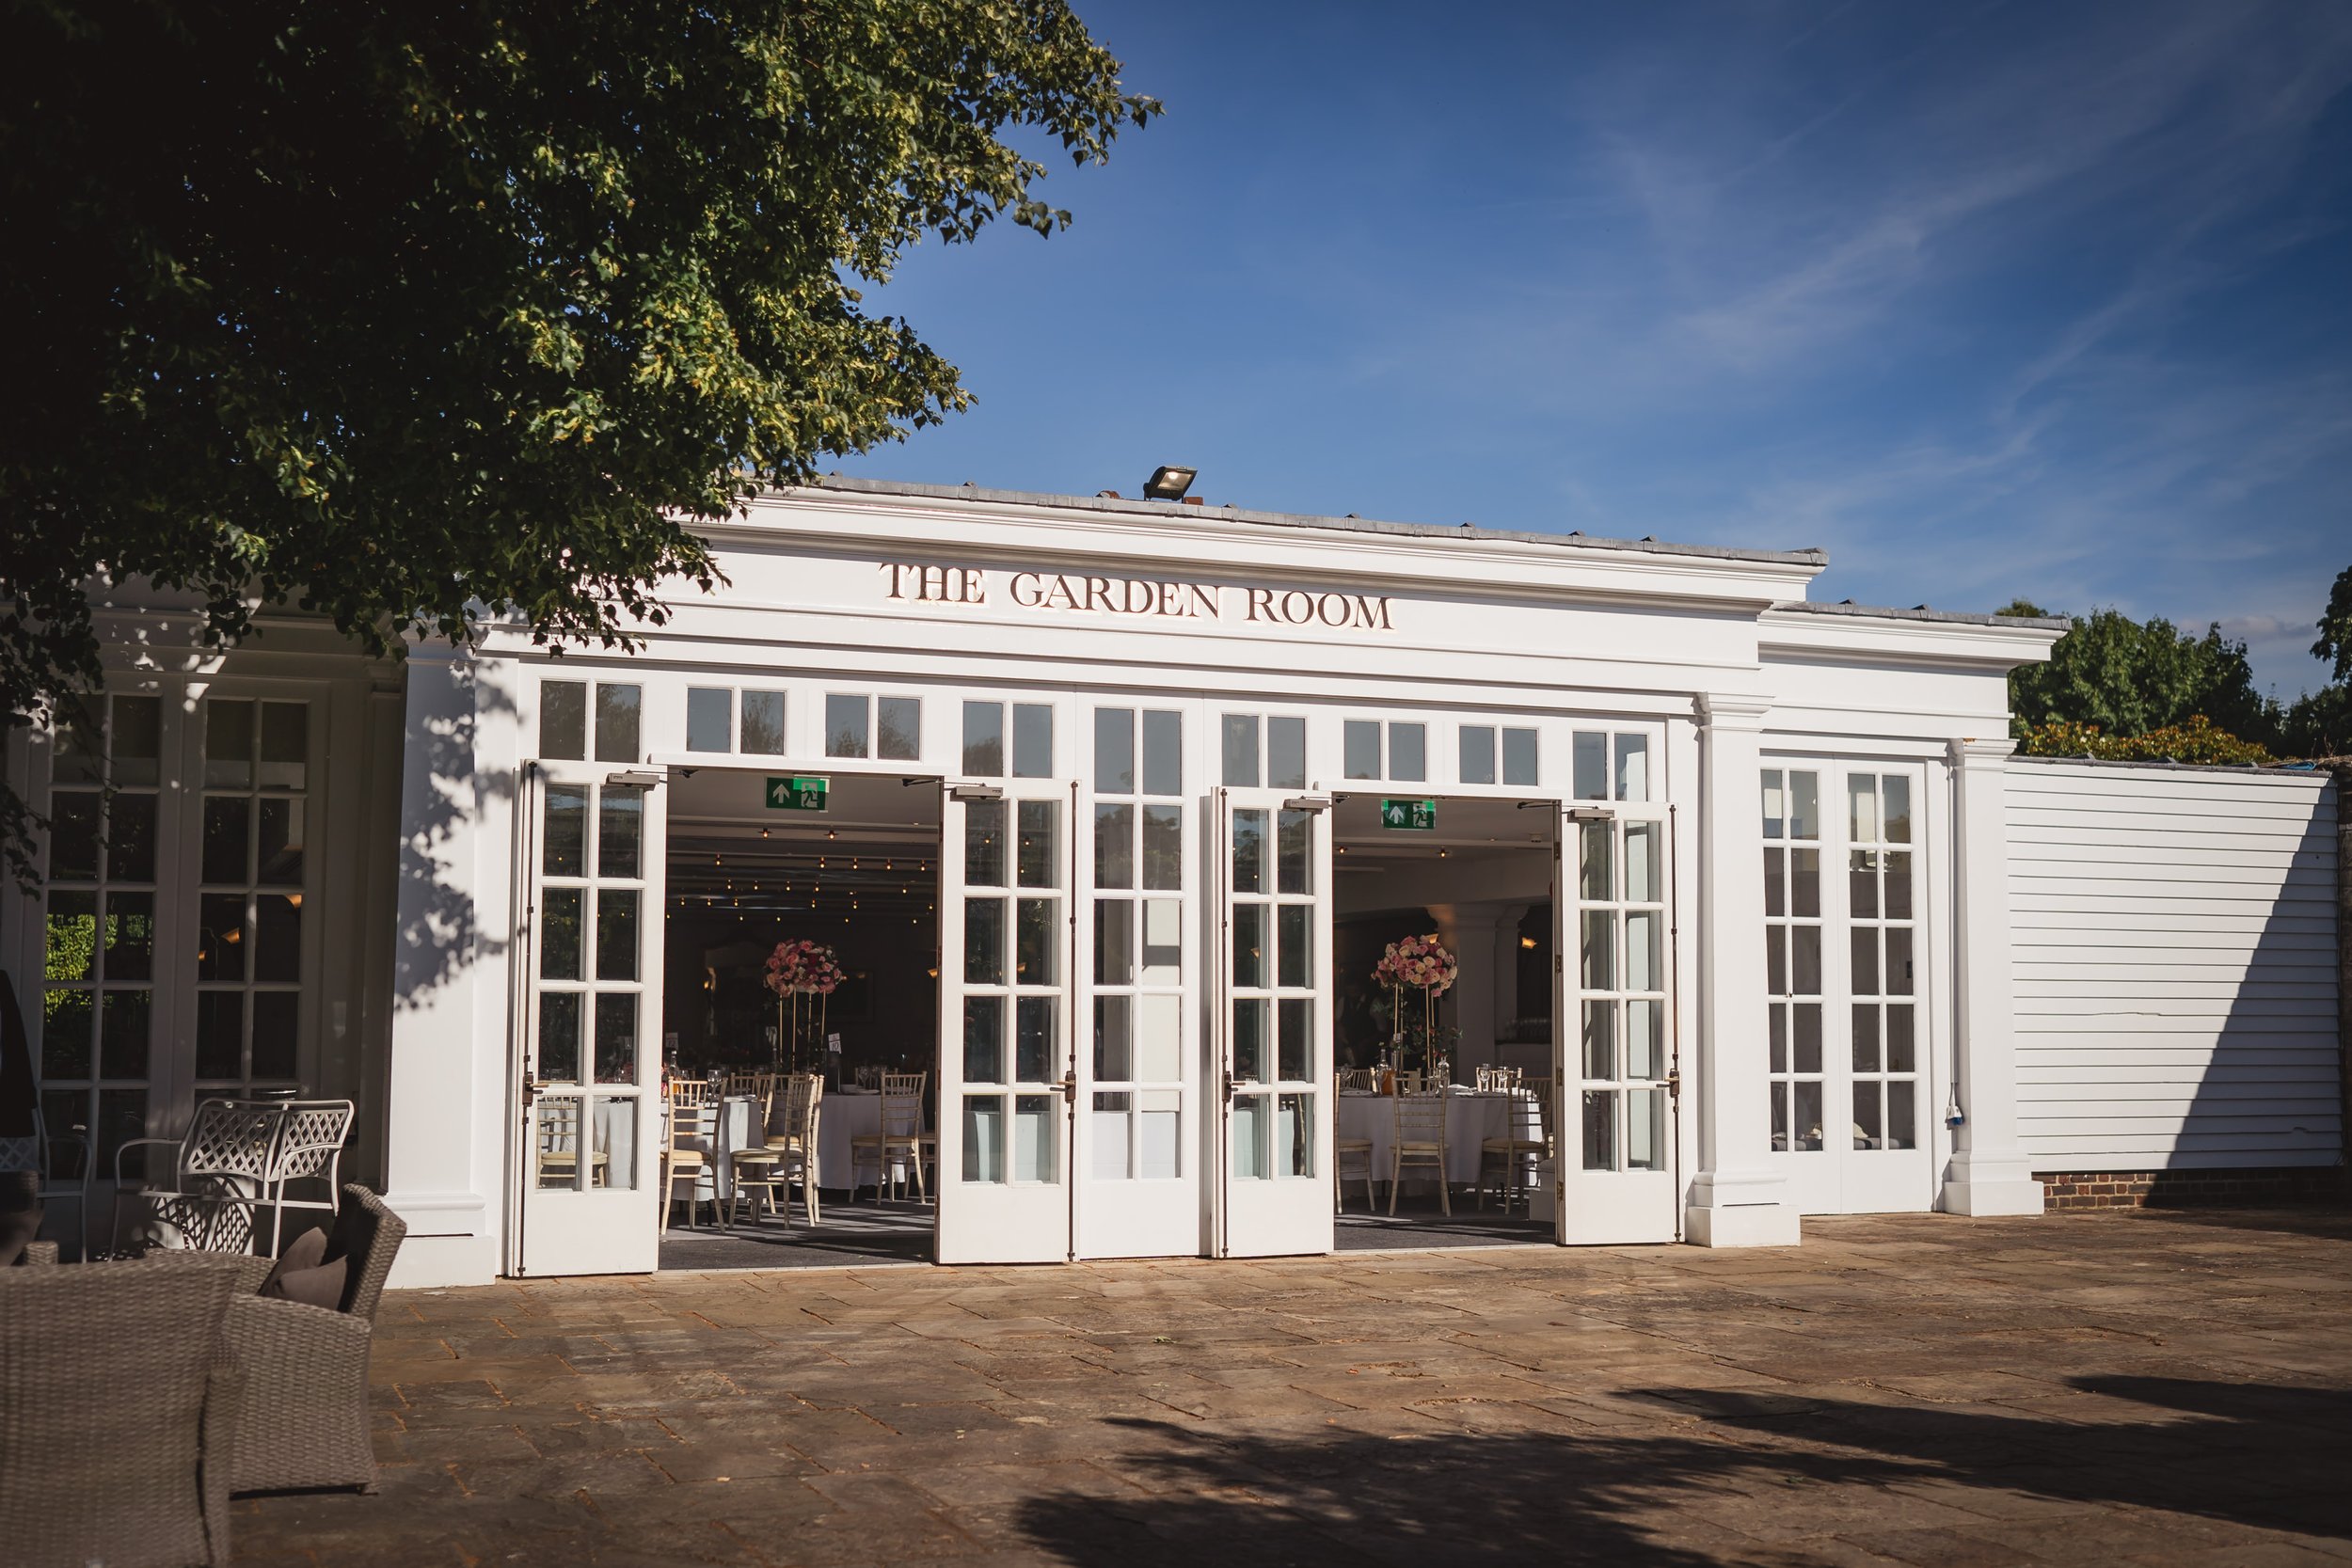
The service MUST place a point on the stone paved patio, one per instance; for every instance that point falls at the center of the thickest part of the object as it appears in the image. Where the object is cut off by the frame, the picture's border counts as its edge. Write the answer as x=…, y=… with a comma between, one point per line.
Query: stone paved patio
x=2102, y=1387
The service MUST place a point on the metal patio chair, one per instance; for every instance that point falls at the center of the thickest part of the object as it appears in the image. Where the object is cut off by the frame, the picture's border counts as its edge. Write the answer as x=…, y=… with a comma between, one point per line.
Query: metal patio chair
x=53, y=1188
x=237, y=1157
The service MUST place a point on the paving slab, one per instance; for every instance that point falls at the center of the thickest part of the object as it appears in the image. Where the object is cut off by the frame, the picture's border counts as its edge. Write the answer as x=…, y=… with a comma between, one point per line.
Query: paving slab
x=1920, y=1390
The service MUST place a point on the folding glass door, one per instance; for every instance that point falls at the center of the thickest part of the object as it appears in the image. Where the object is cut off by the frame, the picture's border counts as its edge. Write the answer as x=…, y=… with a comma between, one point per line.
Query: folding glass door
x=1273, y=1013
x=588, y=957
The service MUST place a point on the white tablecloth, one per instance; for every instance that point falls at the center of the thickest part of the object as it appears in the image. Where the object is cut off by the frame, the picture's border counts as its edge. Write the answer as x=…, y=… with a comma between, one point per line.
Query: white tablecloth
x=1471, y=1118
x=841, y=1115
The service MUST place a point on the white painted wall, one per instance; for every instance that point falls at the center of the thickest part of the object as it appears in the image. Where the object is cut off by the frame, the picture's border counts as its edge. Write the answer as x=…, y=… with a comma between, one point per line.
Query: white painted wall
x=2175, y=946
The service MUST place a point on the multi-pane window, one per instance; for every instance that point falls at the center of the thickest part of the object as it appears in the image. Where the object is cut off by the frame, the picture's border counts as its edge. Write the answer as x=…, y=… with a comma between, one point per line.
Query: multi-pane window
x=1268, y=752
x=572, y=713
x=859, y=725
x=1621, y=982
x=1139, y=859
x=98, y=1000
x=1404, y=757
x=711, y=713
x=1880, y=934
x=1479, y=755
x=1606, y=766
x=250, y=915
x=1013, y=987
x=1792, y=954
x=1029, y=749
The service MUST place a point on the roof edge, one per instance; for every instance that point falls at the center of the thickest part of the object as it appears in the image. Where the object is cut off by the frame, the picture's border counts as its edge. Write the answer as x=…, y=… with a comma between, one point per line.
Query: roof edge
x=1921, y=612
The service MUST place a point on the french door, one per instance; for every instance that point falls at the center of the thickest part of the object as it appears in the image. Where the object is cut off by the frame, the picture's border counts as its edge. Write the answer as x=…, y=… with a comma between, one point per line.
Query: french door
x=1613, y=1124
x=1273, y=1023
x=588, y=966
x=1006, y=1073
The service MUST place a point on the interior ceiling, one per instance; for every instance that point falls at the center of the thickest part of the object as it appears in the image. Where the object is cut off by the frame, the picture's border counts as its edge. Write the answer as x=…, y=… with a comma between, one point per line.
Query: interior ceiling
x=874, y=849
x=1465, y=828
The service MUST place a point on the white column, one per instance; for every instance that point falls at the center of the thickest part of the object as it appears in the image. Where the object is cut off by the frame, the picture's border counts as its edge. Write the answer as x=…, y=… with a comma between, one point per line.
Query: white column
x=438, y=1121
x=1736, y=1198
x=1989, y=1173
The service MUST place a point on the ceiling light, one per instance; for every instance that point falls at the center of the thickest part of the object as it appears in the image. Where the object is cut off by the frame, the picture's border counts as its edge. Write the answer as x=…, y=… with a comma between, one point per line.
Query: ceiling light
x=1168, y=482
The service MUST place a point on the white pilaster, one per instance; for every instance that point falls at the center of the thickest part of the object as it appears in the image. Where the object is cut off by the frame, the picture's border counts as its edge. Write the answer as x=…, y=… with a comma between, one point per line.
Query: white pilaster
x=1736, y=1198
x=1989, y=1173
x=437, y=1122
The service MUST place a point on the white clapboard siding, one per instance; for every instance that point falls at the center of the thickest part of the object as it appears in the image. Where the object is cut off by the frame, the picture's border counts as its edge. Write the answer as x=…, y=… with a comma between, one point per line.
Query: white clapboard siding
x=2175, y=933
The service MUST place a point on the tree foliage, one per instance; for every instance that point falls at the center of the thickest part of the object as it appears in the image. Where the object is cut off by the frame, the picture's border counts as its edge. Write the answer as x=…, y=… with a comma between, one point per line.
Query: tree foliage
x=422, y=314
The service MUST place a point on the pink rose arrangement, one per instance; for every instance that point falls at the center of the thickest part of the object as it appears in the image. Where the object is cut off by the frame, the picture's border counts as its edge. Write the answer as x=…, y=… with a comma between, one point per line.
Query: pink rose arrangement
x=804, y=968
x=1421, y=962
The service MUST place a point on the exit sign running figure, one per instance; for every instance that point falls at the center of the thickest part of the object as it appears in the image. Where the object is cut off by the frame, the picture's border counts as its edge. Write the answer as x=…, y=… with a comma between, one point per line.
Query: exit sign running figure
x=796, y=794
x=1419, y=816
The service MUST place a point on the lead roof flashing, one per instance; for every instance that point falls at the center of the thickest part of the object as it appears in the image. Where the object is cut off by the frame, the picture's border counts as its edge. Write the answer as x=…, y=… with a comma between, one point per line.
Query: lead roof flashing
x=1178, y=512
x=1921, y=612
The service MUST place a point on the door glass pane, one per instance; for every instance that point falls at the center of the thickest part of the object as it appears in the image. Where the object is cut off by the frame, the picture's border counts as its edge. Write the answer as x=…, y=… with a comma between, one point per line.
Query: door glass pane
x=1361, y=749
x=1408, y=752
x=984, y=844
x=279, y=862
x=1805, y=953
x=1032, y=740
x=1902, y=1127
x=220, y=944
x=123, y=1031
x=1293, y=856
x=227, y=833
x=1599, y=883
x=1293, y=946
x=1478, y=754
x=555, y=1143
x=564, y=720
x=1250, y=1136
x=1250, y=940
x=613, y=1141
x=285, y=744
x=1113, y=941
x=1645, y=1130
x=1115, y=843
x=616, y=933
x=227, y=744
x=1115, y=750
x=1898, y=885
x=277, y=1026
x=1901, y=1054
x=983, y=1040
x=1157, y=1132
x=1866, y=1037
x=72, y=936
x=1163, y=942
x=1040, y=859
x=708, y=711
x=220, y=1034
x=1862, y=884
x=1240, y=739
x=565, y=839
x=1250, y=829
x=1038, y=943
x=1109, y=1130
x=983, y=1137
x=763, y=722
x=1164, y=848
x=1294, y=1042
x=1036, y=1136
x=1249, y=1030
x=1590, y=778
x=1036, y=1056
x=617, y=723
x=984, y=941
x=1599, y=970
x=1643, y=882
x=1865, y=945
x=1159, y=1039
x=620, y=830
x=1163, y=751
x=1778, y=1017
x=1286, y=752
x=1899, y=960
x=1113, y=1023
x=1643, y=929
x=1807, y=1018
x=1775, y=882
x=1866, y=1113
x=1519, y=757
x=73, y=838
x=560, y=933
x=277, y=937
x=846, y=721
x=1644, y=1038
x=899, y=729
x=1805, y=804
x=130, y=836
x=1601, y=1041
x=1632, y=768
x=616, y=1036
x=984, y=740
x=559, y=1035
x=1898, y=809
x=1808, y=1114
x=1805, y=883
x=1294, y=1134
x=1600, y=1130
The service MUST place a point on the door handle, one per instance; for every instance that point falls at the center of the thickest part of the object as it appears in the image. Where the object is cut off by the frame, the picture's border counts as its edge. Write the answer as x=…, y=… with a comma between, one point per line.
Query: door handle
x=1069, y=1086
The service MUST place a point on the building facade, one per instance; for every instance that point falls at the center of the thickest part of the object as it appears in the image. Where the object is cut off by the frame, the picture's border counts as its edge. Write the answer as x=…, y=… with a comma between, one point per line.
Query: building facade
x=1152, y=764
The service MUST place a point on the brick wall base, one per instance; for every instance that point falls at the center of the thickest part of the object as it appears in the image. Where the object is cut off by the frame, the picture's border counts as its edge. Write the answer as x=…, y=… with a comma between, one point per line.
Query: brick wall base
x=2193, y=1189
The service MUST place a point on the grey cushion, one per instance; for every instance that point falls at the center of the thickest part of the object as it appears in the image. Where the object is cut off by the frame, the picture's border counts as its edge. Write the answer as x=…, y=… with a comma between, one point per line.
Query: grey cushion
x=304, y=1252
x=319, y=1286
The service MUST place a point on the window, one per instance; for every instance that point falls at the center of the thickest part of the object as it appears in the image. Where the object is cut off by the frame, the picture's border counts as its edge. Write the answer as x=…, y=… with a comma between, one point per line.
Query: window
x=1593, y=778
x=1361, y=749
x=763, y=722
x=709, y=713
x=564, y=720
x=1137, y=1109
x=857, y=725
x=1283, y=752
x=1792, y=955
x=249, y=902
x=1478, y=756
x=1408, y=751
x=97, y=1007
x=1032, y=740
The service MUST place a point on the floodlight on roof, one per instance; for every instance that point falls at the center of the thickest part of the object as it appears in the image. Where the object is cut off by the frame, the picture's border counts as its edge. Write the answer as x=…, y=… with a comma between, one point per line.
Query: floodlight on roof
x=1169, y=484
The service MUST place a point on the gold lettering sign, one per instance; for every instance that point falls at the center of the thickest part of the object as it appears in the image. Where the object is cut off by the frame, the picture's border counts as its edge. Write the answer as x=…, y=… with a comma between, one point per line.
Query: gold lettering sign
x=1147, y=598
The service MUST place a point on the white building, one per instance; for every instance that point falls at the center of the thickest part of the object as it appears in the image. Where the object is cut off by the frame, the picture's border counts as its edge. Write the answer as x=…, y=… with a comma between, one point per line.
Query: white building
x=1124, y=765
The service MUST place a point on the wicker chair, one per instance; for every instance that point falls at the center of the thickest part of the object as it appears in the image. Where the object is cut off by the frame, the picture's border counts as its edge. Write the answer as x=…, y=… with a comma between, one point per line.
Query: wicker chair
x=302, y=1410
x=117, y=1411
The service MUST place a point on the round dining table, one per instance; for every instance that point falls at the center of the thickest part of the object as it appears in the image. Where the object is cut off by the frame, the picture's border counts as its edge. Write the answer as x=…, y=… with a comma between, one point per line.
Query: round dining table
x=1471, y=1117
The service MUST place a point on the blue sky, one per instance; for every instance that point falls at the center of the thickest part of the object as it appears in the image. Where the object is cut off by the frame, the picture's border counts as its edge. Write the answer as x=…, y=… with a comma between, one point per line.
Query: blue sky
x=2011, y=298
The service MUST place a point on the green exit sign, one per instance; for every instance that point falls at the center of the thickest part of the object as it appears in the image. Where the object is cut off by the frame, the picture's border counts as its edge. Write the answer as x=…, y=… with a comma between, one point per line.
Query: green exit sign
x=796, y=794
x=1419, y=817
